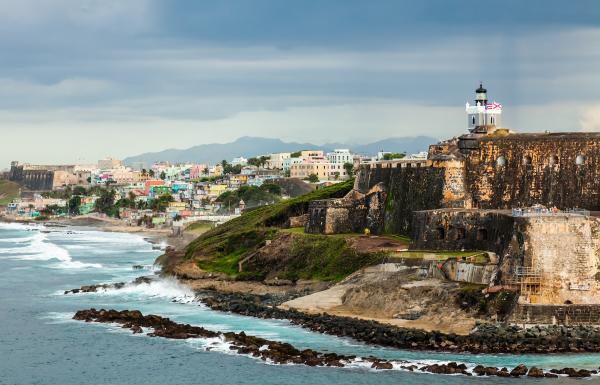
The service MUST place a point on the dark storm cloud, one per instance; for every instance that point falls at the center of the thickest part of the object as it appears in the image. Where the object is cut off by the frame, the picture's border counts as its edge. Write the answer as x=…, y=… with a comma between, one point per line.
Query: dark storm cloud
x=319, y=70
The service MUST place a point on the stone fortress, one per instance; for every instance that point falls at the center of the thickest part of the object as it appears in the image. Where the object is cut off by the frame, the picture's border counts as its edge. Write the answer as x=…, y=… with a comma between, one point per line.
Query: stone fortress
x=45, y=177
x=531, y=199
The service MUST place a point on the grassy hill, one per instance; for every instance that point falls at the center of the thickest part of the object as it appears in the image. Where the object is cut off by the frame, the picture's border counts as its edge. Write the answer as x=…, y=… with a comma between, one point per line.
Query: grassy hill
x=8, y=192
x=221, y=248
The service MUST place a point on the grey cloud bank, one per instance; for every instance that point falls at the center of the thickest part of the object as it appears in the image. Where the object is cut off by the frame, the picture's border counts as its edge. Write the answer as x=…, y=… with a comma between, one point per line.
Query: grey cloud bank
x=79, y=81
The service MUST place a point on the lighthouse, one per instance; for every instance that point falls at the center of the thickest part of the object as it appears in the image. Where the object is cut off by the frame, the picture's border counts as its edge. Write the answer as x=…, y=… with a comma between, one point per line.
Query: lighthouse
x=483, y=117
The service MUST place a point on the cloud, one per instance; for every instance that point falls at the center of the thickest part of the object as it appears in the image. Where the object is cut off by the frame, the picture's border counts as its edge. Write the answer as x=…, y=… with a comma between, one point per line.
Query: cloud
x=88, y=14
x=590, y=119
x=161, y=74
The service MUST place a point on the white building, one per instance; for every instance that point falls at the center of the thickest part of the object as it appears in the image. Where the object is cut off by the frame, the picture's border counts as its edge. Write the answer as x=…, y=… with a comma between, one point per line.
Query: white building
x=287, y=163
x=382, y=154
x=419, y=155
x=276, y=160
x=340, y=156
x=239, y=161
x=483, y=117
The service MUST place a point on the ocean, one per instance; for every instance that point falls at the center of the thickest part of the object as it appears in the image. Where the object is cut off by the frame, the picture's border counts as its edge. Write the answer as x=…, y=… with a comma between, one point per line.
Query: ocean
x=41, y=344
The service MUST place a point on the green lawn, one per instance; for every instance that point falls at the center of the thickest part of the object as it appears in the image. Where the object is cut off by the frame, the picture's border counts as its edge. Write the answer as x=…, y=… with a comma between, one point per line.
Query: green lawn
x=227, y=264
x=8, y=192
x=200, y=227
x=480, y=256
x=300, y=231
x=294, y=230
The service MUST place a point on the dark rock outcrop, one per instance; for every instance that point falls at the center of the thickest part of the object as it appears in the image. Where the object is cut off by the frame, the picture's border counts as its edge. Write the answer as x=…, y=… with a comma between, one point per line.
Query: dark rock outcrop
x=486, y=338
x=105, y=286
x=284, y=353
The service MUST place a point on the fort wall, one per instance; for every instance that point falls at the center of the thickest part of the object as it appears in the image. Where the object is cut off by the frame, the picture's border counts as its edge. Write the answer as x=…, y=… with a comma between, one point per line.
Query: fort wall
x=564, y=250
x=455, y=229
x=556, y=315
x=520, y=170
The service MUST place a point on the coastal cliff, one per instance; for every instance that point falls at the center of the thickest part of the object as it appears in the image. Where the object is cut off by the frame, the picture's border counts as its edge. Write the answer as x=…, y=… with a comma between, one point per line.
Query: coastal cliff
x=266, y=251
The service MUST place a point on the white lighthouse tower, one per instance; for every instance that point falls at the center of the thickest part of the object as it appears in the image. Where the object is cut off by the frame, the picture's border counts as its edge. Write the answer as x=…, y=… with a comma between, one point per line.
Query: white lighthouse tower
x=483, y=117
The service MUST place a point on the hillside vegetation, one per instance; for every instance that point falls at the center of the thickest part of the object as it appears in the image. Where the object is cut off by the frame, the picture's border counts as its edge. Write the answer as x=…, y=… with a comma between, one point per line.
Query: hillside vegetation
x=8, y=191
x=221, y=248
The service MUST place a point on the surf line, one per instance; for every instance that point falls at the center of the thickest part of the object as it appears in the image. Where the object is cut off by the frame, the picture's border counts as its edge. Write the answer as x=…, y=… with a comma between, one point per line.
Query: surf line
x=284, y=353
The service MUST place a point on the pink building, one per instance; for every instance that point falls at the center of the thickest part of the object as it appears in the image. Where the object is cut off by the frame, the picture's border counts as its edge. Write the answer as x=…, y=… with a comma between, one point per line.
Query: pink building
x=197, y=170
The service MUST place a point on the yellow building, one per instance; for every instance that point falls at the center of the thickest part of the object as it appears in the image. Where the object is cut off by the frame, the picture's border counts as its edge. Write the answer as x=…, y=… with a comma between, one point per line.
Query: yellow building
x=324, y=170
x=214, y=190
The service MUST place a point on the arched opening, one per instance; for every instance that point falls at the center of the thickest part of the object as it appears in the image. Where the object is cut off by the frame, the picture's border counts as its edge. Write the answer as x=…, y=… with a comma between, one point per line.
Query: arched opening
x=461, y=233
x=553, y=160
x=492, y=120
x=482, y=234
x=441, y=233
x=527, y=160
x=501, y=161
x=580, y=160
x=473, y=120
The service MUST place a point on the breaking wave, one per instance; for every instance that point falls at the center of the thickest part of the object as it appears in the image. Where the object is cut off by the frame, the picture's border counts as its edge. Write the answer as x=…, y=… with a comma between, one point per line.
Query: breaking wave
x=41, y=249
x=168, y=288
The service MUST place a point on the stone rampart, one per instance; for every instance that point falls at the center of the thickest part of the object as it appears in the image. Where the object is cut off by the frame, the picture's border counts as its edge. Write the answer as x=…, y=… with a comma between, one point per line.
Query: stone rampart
x=564, y=251
x=556, y=315
x=456, y=229
x=519, y=170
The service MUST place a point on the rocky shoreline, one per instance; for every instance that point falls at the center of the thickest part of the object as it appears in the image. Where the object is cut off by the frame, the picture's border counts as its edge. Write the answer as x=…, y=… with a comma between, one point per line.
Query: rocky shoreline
x=284, y=353
x=486, y=338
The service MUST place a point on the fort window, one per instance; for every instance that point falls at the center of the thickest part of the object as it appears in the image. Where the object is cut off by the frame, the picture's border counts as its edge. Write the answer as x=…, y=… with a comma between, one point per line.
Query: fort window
x=526, y=160
x=441, y=233
x=473, y=120
x=482, y=234
x=501, y=161
x=580, y=160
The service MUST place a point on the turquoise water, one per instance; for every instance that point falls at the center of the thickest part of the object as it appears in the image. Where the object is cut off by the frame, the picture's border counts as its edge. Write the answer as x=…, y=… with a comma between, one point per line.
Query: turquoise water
x=40, y=344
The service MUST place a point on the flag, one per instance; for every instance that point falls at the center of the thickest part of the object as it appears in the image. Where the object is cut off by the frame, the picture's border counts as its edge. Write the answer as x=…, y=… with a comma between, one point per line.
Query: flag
x=493, y=106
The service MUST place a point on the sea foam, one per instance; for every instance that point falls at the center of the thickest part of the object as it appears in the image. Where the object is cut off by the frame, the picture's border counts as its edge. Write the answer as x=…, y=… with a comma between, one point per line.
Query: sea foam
x=168, y=288
x=39, y=248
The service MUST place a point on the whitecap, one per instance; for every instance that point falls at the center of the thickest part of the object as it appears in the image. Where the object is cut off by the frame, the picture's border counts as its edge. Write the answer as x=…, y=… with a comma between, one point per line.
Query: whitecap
x=168, y=288
x=16, y=240
x=41, y=249
x=20, y=226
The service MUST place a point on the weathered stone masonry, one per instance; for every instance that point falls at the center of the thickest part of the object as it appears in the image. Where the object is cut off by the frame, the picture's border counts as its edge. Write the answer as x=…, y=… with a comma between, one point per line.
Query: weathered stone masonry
x=384, y=198
x=461, y=198
x=517, y=170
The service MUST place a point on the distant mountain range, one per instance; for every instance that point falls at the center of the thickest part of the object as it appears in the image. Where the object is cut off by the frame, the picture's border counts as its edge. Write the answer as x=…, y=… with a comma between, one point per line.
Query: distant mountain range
x=251, y=146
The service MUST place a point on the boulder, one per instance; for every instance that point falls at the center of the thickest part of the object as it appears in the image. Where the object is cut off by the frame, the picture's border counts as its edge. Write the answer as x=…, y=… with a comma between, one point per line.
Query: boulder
x=519, y=370
x=535, y=372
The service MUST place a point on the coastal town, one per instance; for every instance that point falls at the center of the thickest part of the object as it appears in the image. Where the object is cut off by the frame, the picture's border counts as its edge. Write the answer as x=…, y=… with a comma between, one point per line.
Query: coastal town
x=276, y=192
x=171, y=196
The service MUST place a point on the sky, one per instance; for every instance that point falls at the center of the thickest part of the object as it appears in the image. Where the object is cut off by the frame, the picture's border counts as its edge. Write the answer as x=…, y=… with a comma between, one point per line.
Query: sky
x=81, y=80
